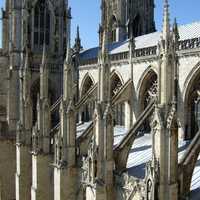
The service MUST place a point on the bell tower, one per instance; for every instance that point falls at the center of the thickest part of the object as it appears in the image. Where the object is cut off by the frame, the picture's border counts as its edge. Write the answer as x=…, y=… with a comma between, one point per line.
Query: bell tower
x=127, y=17
x=140, y=17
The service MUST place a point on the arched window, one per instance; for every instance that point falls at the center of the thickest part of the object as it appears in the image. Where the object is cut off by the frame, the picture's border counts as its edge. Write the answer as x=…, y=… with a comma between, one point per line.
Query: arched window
x=88, y=109
x=195, y=112
x=42, y=21
x=192, y=108
x=119, y=109
x=148, y=91
x=114, y=29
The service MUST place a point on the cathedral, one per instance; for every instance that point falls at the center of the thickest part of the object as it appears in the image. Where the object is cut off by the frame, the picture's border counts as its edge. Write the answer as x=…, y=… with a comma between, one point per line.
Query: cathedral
x=120, y=121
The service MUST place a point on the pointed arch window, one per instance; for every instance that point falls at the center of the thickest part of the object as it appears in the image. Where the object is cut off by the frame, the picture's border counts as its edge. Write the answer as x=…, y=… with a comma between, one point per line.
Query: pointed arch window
x=42, y=24
x=197, y=112
x=113, y=29
x=195, y=119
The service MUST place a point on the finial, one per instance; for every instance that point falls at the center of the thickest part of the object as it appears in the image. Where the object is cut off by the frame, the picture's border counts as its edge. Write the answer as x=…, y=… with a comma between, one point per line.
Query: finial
x=166, y=21
x=77, y=46
x=175, y=31
x=105, y=32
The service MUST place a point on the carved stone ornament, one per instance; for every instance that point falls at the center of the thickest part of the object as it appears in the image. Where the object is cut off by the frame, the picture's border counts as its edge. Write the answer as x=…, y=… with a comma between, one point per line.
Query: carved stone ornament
x=171, y=119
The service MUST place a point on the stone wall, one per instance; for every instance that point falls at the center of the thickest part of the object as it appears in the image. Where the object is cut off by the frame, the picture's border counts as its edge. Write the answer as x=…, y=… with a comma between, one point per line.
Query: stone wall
x=7, y=169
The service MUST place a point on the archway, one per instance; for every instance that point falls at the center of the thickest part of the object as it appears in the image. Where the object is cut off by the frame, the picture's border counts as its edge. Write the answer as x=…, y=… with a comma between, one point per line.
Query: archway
x=119, y=109
x=192, y=107
x=148, y=89
x=87, y=111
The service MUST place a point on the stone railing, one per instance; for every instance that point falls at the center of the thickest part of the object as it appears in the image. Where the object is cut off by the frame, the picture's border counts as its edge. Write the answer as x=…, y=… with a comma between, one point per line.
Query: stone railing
x=189, y=44
x=148, y=51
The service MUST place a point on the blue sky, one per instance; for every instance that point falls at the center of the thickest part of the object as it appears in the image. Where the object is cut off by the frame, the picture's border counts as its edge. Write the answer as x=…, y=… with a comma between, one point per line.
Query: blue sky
x=86, y=14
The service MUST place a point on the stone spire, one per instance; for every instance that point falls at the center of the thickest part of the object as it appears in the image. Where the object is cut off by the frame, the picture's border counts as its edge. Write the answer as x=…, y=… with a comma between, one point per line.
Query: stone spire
x=166, y=72
x=67, y=113
x=104, y=69
x=68, y=68
x=164, y=117
x=77, y=45
x=103, y=118
x=166, y=22
x=175, y=31
x=105, y=38
x=69, y=17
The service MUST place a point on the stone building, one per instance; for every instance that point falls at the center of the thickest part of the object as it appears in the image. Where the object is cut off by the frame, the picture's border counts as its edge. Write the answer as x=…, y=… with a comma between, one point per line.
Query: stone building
x=115, y=122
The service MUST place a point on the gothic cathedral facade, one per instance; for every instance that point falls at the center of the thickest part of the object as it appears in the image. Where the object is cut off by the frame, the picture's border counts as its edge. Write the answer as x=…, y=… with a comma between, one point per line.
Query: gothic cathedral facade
x=120, y=121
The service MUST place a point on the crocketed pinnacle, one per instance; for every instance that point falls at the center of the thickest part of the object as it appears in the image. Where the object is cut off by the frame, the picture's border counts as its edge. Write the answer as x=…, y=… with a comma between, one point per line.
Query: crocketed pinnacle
x=166, y=21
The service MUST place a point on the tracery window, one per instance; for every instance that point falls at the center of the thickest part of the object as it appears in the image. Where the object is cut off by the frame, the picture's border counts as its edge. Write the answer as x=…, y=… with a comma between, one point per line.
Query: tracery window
x=195, y=113
x=42, y=27
x=149, y=92
x=119, y=109
x=152, y=91
x=88, y=109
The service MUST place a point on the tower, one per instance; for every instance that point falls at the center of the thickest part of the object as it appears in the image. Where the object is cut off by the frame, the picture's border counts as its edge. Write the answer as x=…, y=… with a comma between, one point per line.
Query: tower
x=31, y=23
x=140, y=17
x=126, y=16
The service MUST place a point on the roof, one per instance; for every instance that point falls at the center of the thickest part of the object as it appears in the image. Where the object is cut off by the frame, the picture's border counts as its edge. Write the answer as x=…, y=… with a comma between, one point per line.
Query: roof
x=141, y=153
x=187, y=31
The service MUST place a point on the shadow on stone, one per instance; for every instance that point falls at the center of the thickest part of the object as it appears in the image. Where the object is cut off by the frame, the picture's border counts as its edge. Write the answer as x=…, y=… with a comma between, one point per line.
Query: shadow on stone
x=137, y=171
x=143, y=148
x=195, y=194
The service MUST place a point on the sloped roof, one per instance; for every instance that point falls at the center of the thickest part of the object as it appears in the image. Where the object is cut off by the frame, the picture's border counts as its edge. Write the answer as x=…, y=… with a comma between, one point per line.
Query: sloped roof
x=187, y=31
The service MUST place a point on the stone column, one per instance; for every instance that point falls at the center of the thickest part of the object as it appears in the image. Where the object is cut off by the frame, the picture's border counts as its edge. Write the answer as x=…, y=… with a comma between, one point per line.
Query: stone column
x=23, y=166
x=108, y=152
x=15, y=62
x=173, y=160
x=65, y=182
x=42, y=172
x=65, y=169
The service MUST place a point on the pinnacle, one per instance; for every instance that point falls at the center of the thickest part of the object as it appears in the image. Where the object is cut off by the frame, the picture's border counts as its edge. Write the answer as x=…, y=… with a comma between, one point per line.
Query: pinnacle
x=166, y=21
